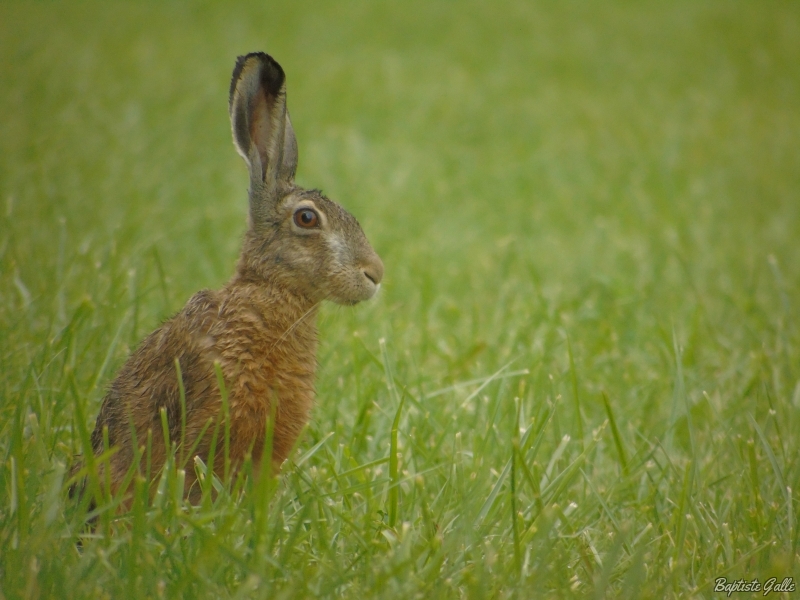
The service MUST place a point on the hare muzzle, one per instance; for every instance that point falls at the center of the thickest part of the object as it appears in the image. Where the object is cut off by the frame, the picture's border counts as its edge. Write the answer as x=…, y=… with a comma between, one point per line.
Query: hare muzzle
x=371, y=276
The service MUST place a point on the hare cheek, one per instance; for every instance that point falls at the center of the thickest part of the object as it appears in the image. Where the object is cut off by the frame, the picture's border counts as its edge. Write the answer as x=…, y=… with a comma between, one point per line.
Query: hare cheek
x=338, y=250
x=345, y=276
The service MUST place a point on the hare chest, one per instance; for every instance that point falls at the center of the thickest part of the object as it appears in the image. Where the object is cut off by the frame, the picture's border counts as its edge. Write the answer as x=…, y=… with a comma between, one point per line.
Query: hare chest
x=268, y=359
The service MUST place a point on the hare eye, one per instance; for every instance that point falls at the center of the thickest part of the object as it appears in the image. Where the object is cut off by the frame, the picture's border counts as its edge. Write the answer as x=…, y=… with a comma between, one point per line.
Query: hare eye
x=306, y=218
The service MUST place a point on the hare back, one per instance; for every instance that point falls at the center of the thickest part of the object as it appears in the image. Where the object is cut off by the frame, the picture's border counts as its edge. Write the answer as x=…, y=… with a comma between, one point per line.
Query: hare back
x=264, y=341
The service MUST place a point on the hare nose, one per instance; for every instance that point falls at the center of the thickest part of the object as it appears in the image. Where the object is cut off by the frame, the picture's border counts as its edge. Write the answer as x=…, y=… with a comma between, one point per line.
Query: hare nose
x=374, y=270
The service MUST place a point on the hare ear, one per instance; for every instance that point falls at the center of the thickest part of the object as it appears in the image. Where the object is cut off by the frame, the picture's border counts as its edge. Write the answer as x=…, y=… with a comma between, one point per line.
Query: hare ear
x=262, y=132
x=289, y=163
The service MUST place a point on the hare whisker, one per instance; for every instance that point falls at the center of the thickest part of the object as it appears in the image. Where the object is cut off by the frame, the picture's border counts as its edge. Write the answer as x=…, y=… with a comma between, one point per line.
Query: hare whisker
x=293, y=326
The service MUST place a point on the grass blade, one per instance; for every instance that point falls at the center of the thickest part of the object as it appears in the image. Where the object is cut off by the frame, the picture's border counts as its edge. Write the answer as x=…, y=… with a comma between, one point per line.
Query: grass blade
x=615, y=433
x=394, y=476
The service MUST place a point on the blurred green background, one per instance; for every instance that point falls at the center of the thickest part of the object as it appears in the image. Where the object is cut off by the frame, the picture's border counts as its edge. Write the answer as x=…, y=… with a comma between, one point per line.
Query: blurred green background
x=603, y=194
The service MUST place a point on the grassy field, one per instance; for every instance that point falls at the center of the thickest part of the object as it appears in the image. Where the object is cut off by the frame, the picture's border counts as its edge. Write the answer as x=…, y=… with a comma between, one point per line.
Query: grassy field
x=582, y=376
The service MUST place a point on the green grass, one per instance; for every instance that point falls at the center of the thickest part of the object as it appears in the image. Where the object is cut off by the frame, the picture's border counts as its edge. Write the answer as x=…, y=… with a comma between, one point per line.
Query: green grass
x=582, y=377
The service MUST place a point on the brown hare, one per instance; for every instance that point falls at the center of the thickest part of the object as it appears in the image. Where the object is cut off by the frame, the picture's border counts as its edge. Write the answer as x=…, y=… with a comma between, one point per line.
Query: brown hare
x=260, y=329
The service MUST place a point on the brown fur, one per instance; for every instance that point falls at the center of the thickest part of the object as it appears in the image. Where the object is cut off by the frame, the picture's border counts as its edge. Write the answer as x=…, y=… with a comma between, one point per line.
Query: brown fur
x=260, y=327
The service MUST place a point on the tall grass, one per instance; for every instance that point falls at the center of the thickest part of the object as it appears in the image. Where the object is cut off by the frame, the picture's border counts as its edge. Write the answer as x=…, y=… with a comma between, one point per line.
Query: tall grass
x=582, y=378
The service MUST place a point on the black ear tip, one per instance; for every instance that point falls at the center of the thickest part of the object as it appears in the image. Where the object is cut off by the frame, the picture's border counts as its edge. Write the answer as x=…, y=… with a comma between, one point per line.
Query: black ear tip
x=271, y=73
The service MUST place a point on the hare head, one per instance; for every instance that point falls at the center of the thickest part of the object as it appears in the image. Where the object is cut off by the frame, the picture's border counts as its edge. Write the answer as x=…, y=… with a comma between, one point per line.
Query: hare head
x=297, y=239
